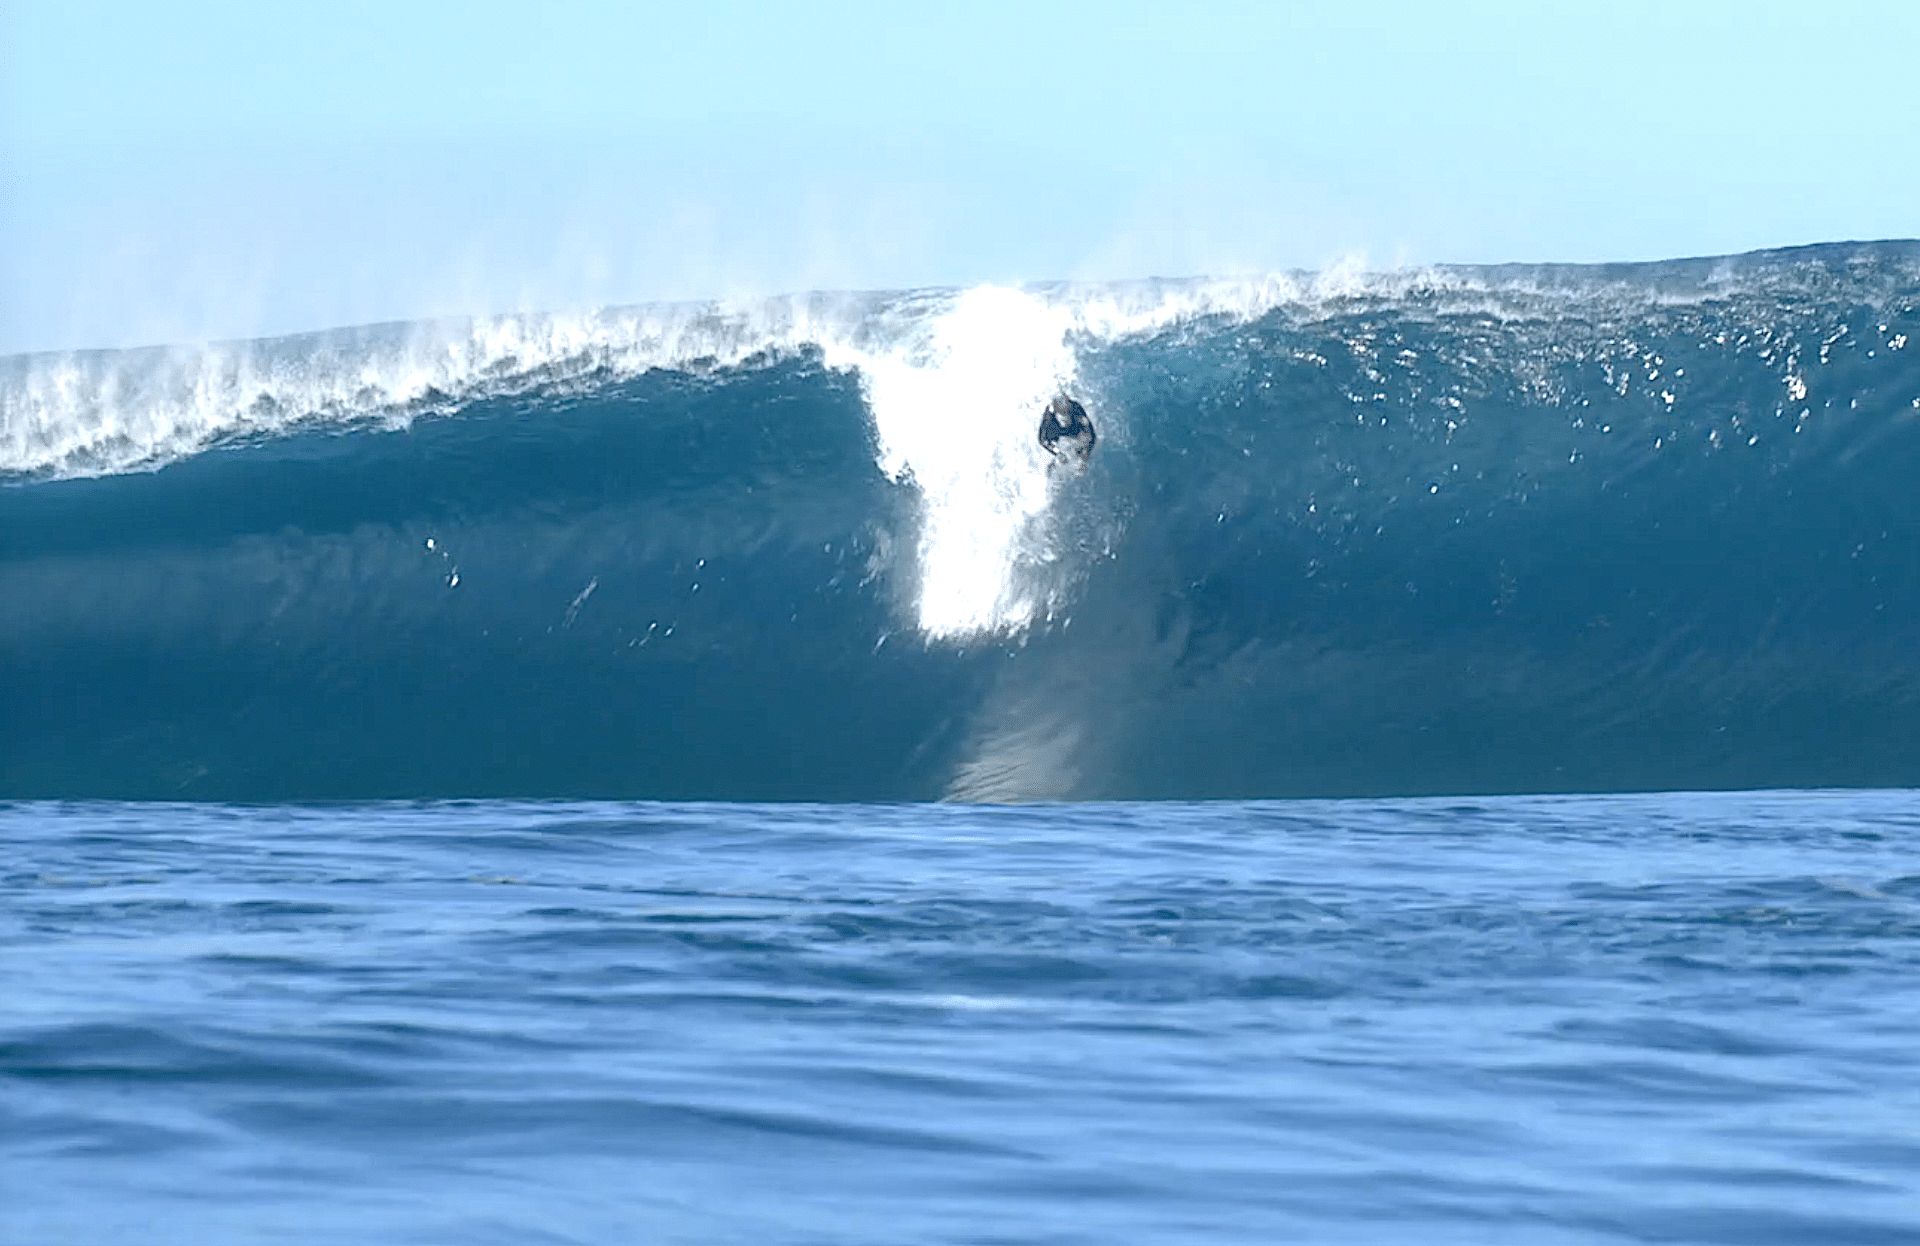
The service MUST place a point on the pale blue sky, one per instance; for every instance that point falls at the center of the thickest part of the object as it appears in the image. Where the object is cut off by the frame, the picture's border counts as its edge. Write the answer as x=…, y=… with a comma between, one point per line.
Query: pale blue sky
x=215, y=169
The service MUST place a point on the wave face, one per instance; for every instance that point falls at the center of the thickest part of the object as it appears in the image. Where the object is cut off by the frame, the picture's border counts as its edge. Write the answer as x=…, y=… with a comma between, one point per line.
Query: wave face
x=1464, y=530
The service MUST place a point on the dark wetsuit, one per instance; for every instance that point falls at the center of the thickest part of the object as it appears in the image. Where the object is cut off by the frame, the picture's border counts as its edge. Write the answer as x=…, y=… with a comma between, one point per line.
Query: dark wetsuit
x=1065, y=432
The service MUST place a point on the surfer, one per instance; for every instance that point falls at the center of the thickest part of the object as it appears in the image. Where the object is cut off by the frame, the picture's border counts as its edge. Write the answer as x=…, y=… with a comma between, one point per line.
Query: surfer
x=1066, y=433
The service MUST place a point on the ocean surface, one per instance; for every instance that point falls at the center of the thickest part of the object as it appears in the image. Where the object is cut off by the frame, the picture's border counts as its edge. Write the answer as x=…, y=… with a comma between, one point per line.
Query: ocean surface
x=1526, y=1019
x=1448, y=772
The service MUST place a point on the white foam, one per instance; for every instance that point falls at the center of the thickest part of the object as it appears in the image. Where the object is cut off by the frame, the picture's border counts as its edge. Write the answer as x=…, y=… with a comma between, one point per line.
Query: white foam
x=956, y=397
x=98, y=413
x=954, y=381
x=955, y=407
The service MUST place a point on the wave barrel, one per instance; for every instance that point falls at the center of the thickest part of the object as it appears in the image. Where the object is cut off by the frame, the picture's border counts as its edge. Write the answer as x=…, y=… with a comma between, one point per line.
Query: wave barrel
x=1532, y=529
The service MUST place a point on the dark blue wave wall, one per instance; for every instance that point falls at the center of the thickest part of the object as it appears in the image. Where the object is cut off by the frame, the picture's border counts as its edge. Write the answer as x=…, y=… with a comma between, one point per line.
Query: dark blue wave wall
x=268, y=621
x=1633, y=556
x=1604, y=529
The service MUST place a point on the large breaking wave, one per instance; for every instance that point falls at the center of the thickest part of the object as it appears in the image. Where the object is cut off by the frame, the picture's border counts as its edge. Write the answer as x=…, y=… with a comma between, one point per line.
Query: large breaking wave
x=1460, y=530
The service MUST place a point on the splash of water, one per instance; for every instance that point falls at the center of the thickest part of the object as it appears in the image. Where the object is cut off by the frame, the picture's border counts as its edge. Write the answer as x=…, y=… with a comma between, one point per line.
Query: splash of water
x=955, y=408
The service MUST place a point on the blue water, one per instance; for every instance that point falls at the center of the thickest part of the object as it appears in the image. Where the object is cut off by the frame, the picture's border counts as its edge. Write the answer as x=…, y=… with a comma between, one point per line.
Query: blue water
x=1568, y=1019
x=1178, y=852
x=1618, y=528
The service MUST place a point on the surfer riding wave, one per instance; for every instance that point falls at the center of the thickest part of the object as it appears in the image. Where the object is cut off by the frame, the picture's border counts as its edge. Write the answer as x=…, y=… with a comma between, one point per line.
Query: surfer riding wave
x=1067, y=434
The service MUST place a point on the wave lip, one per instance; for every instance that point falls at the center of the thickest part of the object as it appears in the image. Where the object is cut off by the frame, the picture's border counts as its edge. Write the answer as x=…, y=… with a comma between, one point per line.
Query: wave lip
x=103, y=412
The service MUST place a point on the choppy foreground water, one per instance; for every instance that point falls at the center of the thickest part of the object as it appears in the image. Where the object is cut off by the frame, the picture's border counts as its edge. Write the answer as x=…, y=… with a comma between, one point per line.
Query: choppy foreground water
x=1543, y=1020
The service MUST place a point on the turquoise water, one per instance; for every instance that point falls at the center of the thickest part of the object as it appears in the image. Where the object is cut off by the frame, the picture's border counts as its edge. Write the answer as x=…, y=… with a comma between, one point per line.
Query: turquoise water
x=1609, y=528
x=1679, y=1018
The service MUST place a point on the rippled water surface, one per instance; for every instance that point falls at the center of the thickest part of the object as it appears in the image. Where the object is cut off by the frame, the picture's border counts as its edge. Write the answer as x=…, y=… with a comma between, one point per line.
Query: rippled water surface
x=1545, y=1020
